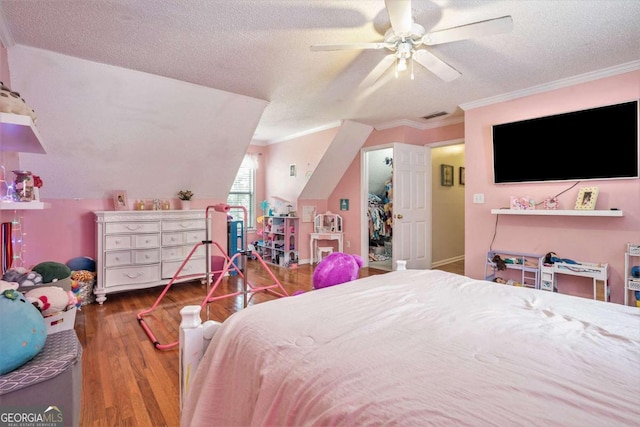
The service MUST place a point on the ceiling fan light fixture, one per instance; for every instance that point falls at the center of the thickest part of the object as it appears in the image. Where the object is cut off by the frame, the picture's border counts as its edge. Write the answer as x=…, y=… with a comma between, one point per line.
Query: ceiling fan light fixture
x=402, y=64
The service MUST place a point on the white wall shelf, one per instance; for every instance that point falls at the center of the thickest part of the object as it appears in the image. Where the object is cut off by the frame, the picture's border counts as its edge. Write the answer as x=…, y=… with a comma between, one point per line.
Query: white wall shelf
x=550, y=212
x=21, y=206
x=18, y=133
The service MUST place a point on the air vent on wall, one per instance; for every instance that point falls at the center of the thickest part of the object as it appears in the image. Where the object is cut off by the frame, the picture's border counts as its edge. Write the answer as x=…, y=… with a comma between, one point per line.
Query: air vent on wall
x=434, y=115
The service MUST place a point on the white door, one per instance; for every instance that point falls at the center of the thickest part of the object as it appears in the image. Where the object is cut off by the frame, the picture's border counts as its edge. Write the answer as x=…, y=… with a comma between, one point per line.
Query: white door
x=411, y=239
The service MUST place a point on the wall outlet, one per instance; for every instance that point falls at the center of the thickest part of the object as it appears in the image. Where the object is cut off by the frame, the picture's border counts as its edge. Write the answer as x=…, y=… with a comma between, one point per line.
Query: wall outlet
x=348, y=243
x=478, y=198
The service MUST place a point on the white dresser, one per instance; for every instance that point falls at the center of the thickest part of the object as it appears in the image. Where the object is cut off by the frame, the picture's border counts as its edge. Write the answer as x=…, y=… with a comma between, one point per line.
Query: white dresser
x=141, y=249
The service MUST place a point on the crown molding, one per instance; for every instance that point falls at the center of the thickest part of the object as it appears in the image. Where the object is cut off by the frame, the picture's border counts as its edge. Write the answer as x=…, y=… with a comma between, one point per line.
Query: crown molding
x=558, y=84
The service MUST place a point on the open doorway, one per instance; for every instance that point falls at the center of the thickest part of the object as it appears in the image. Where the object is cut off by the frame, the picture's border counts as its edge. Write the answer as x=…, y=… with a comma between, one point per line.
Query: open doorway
x=380, y=207
x=445, y=211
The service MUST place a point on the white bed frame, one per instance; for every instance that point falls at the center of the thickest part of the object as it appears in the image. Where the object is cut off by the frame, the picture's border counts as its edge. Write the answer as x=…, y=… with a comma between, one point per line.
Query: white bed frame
x=195, y=337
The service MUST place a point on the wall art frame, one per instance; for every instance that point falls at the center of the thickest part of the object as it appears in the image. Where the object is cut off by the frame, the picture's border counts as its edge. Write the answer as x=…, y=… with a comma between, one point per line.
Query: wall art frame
x=587, y=197
x=446, y=175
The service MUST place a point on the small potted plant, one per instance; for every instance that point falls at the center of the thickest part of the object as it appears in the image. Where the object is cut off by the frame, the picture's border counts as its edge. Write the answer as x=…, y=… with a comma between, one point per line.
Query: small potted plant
x=185, y=198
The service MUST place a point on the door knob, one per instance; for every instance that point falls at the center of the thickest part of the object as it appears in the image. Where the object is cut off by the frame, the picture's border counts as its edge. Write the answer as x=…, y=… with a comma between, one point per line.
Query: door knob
x=399, y=216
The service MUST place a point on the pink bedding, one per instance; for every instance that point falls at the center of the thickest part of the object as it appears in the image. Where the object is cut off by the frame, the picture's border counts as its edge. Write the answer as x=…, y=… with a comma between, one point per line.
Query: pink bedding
x=422, y=347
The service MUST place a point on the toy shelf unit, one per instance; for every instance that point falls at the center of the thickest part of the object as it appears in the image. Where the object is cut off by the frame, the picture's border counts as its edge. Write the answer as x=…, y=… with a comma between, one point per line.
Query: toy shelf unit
x=279, y=244
x=520, y=269
x=598, y=272
x=632, y=273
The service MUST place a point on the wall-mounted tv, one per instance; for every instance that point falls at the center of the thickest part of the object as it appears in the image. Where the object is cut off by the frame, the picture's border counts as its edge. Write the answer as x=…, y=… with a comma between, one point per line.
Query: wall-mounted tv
x=598, y=143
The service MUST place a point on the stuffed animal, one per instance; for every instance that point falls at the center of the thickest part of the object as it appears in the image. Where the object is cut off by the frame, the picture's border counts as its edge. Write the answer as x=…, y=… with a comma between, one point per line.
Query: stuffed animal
x=336, y=268
x=22, y=277
x=54, y=273
x=10, y=102
x=50, y=299
x=22, y=329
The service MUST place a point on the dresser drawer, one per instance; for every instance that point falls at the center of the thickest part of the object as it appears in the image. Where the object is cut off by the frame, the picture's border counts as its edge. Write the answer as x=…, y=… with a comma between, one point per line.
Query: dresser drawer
x=193, y=266
x=146, y=241
x=173, y=253
x=132, y=275
x=194, y=237
x=186, y=224
x=117, y=258
x=118, y=242
x=132, y=227
x=125, y=241
x=147, y=256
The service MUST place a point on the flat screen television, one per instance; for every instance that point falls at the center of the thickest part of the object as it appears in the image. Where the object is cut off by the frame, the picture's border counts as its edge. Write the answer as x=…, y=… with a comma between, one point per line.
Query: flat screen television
x=598, y=143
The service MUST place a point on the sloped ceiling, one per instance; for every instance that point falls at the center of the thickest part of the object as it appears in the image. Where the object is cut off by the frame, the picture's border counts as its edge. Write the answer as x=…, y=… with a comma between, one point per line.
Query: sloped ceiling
x=107, y=128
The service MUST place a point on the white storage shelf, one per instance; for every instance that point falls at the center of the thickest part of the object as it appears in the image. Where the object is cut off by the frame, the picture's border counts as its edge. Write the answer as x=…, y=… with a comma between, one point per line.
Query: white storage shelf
x=19, y=134
x=21, y=206
x=631, y=284
x=551, y=212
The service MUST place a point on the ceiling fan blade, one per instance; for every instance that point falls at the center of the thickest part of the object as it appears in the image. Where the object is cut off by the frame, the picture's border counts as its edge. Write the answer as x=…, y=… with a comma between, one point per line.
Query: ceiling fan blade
x=489, y=27
x=434, y=64
x=349, y=46
x=378, y=70
x=400, y=16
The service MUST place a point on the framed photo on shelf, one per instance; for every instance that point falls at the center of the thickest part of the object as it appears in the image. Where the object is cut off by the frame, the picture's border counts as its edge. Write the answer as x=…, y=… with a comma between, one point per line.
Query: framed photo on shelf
x=446, y=175
x=587, y=197
x=120, y=202
x=461, y=175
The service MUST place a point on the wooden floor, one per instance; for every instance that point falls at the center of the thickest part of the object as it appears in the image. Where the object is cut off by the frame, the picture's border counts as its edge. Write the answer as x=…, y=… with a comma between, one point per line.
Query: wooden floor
x=126, y=380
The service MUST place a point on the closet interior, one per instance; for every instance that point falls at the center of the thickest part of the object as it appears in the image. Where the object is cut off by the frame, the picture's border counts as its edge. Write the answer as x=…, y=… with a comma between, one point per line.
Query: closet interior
x=380, y=207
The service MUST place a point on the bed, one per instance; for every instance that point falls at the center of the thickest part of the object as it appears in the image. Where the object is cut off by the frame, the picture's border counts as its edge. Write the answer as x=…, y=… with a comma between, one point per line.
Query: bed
x=415, y=348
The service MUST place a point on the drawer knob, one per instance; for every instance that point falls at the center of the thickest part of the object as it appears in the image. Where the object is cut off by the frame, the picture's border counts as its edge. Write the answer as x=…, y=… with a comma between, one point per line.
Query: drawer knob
x=133, y=227
x=134, y=275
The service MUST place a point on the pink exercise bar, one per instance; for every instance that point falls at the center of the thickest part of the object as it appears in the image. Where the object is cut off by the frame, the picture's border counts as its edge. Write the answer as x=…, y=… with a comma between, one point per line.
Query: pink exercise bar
x=229, y=265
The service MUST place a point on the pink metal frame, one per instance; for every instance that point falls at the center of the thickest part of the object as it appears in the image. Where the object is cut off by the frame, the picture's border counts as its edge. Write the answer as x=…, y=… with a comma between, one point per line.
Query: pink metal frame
x=230, y=265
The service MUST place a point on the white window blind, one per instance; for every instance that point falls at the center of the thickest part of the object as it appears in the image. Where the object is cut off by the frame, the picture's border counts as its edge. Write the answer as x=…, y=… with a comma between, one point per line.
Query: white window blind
x=243, y=191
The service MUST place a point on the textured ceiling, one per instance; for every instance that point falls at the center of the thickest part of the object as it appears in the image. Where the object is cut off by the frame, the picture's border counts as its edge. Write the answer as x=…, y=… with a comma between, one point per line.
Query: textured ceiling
x=260, y=49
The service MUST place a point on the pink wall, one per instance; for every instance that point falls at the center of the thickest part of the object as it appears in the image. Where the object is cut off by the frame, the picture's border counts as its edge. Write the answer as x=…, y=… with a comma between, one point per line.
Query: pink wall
x=589, y=239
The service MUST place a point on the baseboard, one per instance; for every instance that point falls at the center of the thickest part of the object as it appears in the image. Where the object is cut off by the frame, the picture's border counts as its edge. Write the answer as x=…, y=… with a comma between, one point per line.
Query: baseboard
x=447, y=261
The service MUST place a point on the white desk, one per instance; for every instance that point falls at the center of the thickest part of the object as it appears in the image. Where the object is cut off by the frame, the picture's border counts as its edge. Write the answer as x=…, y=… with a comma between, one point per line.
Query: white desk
x=313, y=242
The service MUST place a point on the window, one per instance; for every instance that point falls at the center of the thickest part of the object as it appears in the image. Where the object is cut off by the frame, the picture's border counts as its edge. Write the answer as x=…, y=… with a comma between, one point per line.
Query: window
x=243, y=191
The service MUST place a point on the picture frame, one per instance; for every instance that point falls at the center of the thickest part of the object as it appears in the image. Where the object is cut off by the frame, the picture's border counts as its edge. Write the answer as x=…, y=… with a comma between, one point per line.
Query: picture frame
x=308, y=213
x=292, y=170
x=587, y=197
x=446, y=175
x=461, y=175
x=120, y=201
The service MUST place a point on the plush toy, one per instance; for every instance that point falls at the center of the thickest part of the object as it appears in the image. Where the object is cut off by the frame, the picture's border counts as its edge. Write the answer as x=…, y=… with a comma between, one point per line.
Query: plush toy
x=10, y=102
x=54, y=273
x=336, y=268
x=22, y=329
x=51, y=299
x=23, y=277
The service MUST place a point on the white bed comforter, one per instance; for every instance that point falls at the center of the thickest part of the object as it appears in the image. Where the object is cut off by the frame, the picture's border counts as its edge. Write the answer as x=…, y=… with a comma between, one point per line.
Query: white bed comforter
x=422, y=347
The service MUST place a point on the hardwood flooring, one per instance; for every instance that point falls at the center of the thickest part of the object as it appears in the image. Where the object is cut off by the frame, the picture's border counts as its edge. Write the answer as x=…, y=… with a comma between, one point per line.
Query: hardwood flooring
x=127, y=381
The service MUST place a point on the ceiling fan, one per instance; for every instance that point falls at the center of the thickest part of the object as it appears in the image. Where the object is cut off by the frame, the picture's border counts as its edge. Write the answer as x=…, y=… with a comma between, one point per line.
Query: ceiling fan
x=406, y=40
